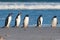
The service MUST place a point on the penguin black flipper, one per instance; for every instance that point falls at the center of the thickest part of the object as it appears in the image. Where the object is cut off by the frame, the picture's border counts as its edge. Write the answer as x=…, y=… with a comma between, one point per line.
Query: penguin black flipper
x=37, y=22
x=6, y=21
x=15, y=22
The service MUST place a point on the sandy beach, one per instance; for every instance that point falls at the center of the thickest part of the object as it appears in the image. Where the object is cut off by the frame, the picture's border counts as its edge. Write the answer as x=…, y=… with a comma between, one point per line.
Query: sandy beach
x=31, y=33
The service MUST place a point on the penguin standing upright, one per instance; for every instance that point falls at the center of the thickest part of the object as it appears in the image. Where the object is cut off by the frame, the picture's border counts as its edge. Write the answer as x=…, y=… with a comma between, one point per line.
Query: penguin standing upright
x=8, y=20
x=54, y=21
x=17, y=20
x=26, y=21
x=39, y=21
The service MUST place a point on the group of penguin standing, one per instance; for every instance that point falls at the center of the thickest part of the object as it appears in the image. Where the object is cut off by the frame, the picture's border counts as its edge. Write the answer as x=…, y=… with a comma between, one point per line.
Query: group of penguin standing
x=26, y=21
x=17, y=20
x=54, y=21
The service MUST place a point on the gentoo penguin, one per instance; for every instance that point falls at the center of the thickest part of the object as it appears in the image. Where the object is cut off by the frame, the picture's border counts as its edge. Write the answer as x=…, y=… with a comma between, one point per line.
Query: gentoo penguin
x=54, y=21
x=40, y=21
x=17, y=20
x=26, y=21
x=8, y=20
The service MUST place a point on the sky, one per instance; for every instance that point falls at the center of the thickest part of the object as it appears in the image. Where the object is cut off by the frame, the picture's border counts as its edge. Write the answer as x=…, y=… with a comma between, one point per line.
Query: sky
x=29, y=0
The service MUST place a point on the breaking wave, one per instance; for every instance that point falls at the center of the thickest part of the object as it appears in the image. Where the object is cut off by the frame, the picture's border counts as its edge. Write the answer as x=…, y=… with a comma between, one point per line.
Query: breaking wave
x=29, y=5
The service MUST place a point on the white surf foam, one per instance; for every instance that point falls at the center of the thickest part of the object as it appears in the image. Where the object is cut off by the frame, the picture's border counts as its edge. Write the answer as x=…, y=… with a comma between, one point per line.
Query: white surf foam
x=29, y=5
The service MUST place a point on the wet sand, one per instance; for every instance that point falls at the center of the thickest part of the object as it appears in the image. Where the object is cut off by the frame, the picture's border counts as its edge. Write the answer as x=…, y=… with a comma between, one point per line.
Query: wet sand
x=31, y=33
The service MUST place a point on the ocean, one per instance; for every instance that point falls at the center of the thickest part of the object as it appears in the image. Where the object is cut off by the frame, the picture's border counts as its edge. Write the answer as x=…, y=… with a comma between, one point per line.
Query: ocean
x=33, y=9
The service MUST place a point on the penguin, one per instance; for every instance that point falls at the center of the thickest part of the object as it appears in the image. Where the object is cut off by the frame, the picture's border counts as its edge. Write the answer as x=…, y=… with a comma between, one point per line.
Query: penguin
x=8, y=20
x=54, y=22
x=40, y=21
x=18, y=20
x=26, y=21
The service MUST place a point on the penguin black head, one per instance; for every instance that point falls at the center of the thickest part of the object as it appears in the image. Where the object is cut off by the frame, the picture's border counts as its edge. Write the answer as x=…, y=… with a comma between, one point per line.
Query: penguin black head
x=10, y=14
x=19, y=13
x=27, y=15
x=40, y=15
x=54, y=16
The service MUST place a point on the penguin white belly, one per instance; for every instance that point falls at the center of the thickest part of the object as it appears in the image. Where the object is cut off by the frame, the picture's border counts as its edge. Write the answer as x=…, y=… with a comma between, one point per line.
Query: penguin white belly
x=18, y=21
x=26, y=21
x=9, y=20
x=41, y=19
x=54, y=22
